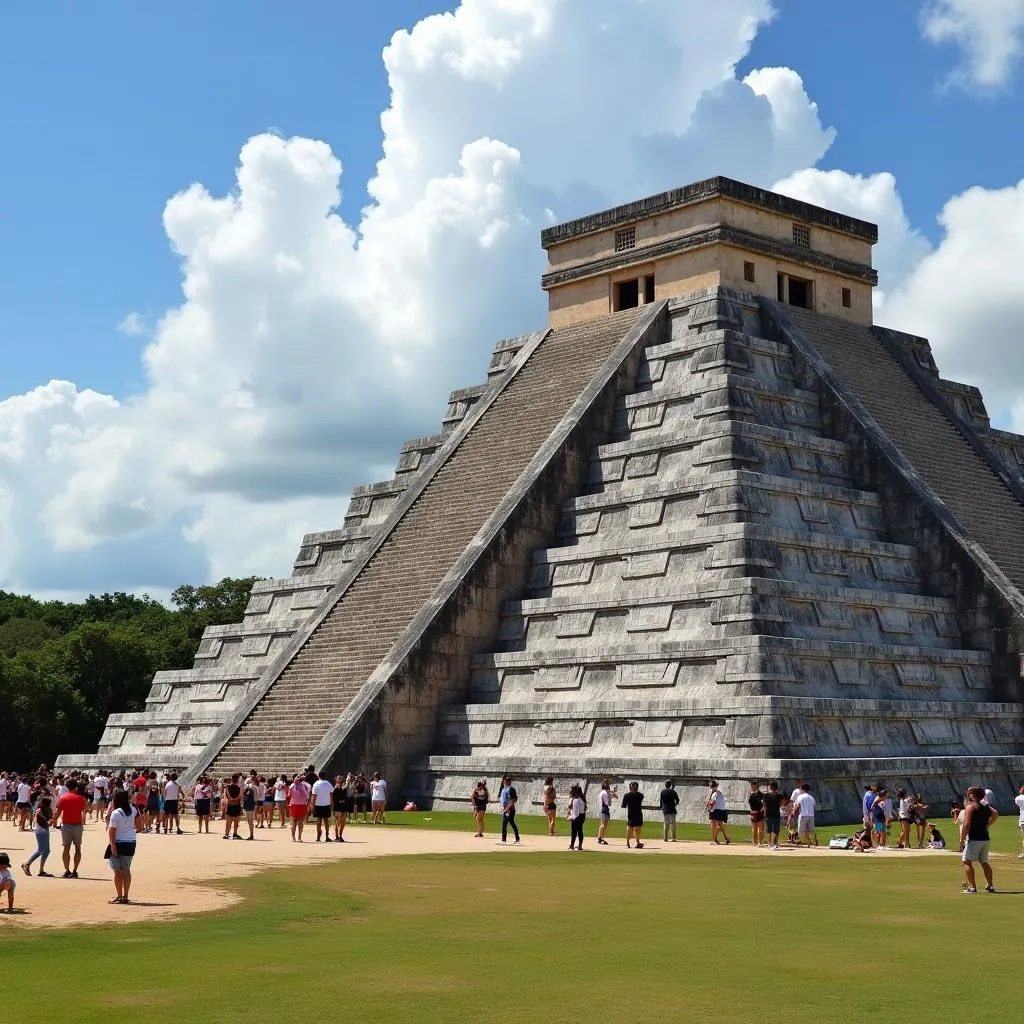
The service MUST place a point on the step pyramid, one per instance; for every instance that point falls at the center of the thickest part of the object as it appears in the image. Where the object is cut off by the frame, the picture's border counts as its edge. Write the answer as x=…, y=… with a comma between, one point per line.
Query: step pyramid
x=714, y=534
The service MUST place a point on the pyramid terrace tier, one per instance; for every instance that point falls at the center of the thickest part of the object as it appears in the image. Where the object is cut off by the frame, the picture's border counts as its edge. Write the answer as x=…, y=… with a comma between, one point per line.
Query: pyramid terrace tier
x=734, y=667
x=635, y=726
x=711, y=554
x=675, y=609
x=717, y=446
x=730, y=496
x=445, y=783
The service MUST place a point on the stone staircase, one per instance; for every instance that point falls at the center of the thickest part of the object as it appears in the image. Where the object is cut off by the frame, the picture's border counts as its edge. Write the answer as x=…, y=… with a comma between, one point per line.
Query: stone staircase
x=186, y=708
x=723, y=600
x=302, y=696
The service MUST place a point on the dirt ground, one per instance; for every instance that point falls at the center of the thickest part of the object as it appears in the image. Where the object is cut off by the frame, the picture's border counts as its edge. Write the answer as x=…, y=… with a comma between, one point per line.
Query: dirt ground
x=167, y=868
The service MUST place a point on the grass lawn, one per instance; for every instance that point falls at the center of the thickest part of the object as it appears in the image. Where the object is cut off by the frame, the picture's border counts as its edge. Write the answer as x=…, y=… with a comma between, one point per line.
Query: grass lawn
x=548, y=937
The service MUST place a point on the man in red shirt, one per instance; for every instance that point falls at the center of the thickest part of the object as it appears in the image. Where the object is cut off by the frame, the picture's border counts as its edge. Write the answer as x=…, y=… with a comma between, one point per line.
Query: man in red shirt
x=70, y=814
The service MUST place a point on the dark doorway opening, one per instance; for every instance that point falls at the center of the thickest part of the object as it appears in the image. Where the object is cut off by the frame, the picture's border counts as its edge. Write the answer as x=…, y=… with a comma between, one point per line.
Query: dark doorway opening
x=648, y=289
x=782, y=287
x=801, y=293
x=627, y=295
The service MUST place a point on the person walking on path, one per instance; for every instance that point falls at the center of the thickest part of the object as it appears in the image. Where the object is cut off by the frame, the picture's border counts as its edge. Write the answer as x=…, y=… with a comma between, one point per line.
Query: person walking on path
x=71, y=806
x=281, y=800
x=250, y=789
x=322, y=795
x=508, y=799
x=549, y=799
x=978, y=818
x=633, y=802
x=604, y=810
x=1019, y=801
x=668, y=800
x=41, y=830
x=121, y=838
x=716, y=812
x=479, y=799
x=755, y=801
x=577, y=815
x=805, y=805
x=202, y=799
x=870, y=792
x=298, y=806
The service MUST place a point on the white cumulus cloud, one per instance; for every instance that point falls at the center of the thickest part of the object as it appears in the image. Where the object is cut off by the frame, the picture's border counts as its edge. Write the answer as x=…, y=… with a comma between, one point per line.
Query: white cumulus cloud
x=305, y=348
x=990, y=34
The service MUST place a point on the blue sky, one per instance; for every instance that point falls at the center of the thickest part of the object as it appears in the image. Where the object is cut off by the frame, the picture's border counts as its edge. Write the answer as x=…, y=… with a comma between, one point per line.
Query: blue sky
x=112, y=109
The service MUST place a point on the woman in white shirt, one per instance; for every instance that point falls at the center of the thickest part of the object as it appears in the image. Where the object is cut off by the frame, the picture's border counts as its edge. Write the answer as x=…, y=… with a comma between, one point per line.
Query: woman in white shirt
x=577, y=815
x=122, y=838
x=604, y=810
x=906, y=814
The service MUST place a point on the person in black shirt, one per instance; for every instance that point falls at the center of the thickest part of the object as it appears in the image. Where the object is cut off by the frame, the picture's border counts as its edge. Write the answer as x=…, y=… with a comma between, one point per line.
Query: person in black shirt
x=339, y=805
x=669, y=801
x=633, y=801
x=773, y=801
x=974, y=838
x=756, y=804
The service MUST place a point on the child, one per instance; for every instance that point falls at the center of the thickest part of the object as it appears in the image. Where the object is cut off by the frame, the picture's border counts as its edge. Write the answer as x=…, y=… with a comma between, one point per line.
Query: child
x=936, y=842
x=7, y=883
x=862, y=840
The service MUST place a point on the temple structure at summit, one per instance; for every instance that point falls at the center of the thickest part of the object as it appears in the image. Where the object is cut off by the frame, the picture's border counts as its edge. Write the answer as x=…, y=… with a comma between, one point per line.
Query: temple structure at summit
x=710, y=521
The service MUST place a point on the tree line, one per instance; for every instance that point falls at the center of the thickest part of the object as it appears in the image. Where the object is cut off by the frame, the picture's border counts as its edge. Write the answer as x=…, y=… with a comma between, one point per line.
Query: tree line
x=64, y=667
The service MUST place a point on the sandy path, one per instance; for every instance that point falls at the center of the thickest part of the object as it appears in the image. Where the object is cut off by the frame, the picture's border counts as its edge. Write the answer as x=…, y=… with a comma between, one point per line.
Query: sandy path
x=167, y=867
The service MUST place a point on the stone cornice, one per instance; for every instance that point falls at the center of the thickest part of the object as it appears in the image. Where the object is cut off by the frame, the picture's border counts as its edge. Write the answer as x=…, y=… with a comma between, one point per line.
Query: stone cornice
x=720, y=234
x=699, y=192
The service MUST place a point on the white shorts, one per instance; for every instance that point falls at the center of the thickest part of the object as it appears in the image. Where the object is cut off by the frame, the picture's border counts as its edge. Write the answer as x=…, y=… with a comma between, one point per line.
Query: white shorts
x=975, y=850
x=805, y=824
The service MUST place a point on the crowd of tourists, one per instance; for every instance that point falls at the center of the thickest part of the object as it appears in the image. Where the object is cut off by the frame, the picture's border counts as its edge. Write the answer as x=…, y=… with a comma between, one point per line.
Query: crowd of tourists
x=130, y=803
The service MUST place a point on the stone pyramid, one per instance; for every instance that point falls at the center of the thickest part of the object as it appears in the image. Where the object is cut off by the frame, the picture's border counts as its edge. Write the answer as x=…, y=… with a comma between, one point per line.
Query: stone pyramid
x=712, y=522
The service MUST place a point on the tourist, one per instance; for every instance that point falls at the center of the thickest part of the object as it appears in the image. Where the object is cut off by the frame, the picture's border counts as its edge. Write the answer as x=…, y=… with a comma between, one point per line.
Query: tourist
x=668, y=801
x=7, y=882
x=937, y=840
x=71, y=807
x=281, y=800
x=322, y=796
x=139, y=784
x=604, y=810
x=906, y=817
x=978, y=818
x=549, y=801
x=249, y=791
x=1019, y=801
x=919, y=816
x=101, y=794
x=172, y=804
x=5, y=803
x=479, y=799
x=717, y=814
x=24, y=803
x=265, y=818
x=793, y=808
x=633, y=802
x=298, y=805
x=378, y=798
x=232, y=796
x=805, y=805
x=362, y=797
x=339, y=805
x=773, y=801
x=577, y=815
x=122, y=837
x=41, y=830
x=508, y=800
x=202, y=798
x=755, y=801
x=879, y=824
x=989, y=799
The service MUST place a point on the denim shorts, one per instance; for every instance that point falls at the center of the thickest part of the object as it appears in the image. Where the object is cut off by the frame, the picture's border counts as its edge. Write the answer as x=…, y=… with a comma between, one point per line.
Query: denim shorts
x=121, y=863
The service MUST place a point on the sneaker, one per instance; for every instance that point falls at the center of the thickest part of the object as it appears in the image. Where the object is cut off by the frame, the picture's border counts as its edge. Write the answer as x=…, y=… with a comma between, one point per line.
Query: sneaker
x=639, y=846
x=67, y=874
x=27, y=870
x=990, y=888
x=74, y=874
x=968, y=890
x=328, y=840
